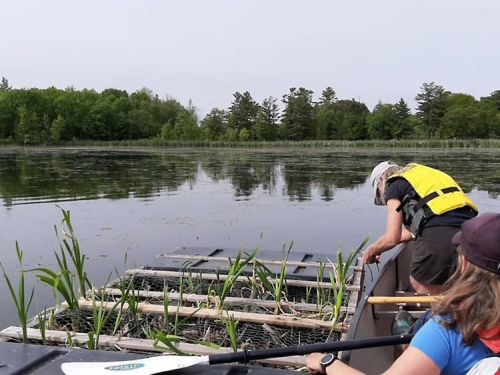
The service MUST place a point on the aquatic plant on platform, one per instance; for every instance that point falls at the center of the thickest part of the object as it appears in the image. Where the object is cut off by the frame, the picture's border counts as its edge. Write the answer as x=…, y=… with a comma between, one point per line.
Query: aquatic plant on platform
x=244, y=305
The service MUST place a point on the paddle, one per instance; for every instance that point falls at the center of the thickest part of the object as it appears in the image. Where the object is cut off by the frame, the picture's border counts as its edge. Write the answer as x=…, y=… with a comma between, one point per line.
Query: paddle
x=382, y=300
x=153, y=365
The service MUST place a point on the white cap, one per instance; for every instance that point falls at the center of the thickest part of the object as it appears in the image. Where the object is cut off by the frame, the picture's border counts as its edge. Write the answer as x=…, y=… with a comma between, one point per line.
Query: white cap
x=378, y=171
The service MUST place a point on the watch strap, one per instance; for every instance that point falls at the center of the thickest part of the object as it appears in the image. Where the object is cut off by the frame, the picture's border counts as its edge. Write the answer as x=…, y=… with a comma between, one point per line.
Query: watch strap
x=327, y=360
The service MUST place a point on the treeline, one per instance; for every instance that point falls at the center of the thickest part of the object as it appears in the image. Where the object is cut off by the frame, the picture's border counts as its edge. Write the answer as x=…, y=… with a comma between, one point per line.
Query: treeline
x=54, y=116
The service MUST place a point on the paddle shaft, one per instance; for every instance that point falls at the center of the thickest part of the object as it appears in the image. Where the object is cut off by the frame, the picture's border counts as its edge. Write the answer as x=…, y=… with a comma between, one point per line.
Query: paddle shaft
x=379, y=300
x=337, y=346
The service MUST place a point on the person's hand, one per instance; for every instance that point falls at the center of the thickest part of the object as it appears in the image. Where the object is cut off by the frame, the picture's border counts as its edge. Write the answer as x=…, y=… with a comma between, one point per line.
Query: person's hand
x=313, y=363
x=371, y=255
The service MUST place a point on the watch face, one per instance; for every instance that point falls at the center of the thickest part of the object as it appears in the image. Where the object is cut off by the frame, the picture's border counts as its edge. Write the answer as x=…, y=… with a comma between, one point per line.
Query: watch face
x=327, y=360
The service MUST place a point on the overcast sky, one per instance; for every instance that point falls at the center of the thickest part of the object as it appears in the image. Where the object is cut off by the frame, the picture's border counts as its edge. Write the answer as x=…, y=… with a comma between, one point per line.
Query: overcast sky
x=205, y=50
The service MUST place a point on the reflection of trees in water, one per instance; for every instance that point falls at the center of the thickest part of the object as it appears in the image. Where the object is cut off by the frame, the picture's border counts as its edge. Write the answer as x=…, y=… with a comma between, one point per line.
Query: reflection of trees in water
x=87, y=174
x=327, y=172
x=245, y=172
x=91, y=175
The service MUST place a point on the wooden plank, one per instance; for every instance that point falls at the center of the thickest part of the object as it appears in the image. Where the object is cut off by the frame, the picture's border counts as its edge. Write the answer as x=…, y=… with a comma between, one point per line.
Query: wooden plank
x=211, y=276
x=328, y=264
x=384, y=300
x=229, y=301
x=279, y=320
x=131, y=344
x=353, y=301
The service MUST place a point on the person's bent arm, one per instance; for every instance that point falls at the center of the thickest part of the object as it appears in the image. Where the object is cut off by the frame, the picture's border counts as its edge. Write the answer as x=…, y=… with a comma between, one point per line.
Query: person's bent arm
x=406, y=235
x=393, y=233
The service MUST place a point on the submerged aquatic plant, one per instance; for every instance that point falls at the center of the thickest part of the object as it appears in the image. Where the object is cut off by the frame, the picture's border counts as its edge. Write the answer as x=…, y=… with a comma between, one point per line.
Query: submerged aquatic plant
x=21, y=299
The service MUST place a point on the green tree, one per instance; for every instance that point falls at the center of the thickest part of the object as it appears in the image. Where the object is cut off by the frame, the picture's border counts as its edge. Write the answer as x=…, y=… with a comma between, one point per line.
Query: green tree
x=431, y=107
x=242, y=112
x=461, y=119
x=57, y=129
x=328, y=96
x=244, y=135
x=168, y=131
x=298, y=115
x=163, y=111
x=402, y=110
x=232, y=135
x=266, y=125
x=8, y=115
x=214, y=124
x=4, y=85
x=350, y=120
x=489, y=113
x=404, y=127
x=27, y=127
x=187, y=125
x=382, y=122
x=325, y=115
x=494, y=126
x=139, y=123
x=494, y=99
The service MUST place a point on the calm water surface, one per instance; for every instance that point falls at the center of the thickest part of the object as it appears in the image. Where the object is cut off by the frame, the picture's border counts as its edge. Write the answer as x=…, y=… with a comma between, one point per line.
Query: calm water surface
x=145, y=202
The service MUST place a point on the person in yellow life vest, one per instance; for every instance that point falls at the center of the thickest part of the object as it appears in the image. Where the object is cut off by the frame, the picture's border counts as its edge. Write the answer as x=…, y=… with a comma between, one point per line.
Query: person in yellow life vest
x=425, y=208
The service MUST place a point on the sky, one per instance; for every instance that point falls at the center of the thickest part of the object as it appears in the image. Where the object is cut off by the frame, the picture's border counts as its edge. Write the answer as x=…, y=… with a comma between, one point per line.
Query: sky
x=205, y=50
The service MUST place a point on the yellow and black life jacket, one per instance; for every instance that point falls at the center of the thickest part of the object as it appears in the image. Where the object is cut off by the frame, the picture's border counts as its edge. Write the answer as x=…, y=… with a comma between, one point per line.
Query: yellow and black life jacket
x=437, y=193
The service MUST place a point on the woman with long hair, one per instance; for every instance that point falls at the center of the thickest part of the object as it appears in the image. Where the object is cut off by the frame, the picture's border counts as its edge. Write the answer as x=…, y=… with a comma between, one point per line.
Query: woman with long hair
x=465, y=327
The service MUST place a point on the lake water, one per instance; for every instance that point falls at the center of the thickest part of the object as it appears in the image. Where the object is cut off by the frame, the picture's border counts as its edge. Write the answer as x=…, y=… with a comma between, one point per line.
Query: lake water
x=131, y=204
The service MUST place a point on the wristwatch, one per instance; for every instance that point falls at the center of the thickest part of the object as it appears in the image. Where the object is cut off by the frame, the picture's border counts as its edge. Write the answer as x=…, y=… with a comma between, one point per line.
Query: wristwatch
x=327, y=360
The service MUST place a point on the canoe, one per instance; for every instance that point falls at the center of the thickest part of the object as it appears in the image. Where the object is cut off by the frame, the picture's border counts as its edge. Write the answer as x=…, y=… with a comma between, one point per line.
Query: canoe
x=375, y=319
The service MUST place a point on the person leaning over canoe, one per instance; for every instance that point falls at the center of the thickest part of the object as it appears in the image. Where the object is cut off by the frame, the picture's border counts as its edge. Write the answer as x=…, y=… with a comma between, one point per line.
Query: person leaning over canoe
x=425, y=208
x=465, y=327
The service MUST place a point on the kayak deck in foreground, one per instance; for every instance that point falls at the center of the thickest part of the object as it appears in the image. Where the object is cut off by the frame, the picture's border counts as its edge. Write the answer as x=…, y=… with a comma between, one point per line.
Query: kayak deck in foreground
x=31, y=359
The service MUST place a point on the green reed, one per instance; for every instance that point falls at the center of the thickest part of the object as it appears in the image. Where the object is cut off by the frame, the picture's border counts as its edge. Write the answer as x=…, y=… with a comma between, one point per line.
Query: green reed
x=280, y=288
x=309, y=144
x=236, y=269
x=340, y=278
x=169, y=343
x=42, y=325
x=232, y=330
x=71, y=282
x=166, y=304
x=277, y=289
x=100, y=318
x=22, y=299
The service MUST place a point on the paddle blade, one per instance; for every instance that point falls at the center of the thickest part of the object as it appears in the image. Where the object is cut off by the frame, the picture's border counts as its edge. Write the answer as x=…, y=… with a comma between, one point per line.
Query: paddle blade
x=145, y=366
